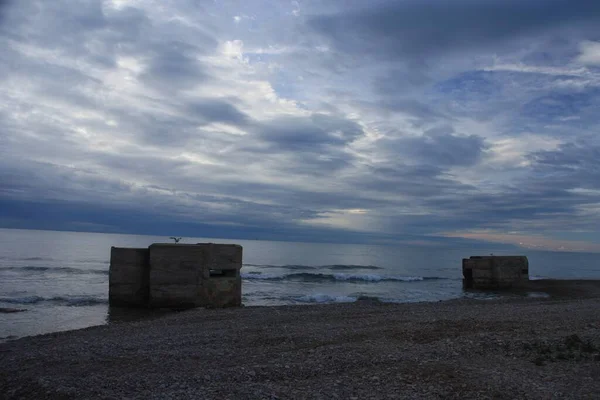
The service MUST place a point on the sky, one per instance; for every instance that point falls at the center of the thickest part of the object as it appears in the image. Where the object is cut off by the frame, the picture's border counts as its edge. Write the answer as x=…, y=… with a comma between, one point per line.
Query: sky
x=419, y=122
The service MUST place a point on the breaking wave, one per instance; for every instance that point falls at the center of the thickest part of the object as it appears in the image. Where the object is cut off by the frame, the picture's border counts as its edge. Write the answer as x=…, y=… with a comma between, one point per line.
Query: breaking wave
x=62, y=270
x=338, y=267
x=325, y=298
x=27, y=258
x=87, y=260
x=280, y=266
x=350, y=267
x=338, y=277
x=73, y=301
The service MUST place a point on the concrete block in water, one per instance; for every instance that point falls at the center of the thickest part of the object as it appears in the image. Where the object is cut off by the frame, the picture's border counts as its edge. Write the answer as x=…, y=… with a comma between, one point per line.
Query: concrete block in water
x=128, y=278
x=175, y=275
x=221, y=285
x=194, y=275
x=495, y=272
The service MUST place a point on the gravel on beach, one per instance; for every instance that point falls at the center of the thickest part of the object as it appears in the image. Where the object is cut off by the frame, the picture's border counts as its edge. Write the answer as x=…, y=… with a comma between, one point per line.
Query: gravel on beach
x=465, y=349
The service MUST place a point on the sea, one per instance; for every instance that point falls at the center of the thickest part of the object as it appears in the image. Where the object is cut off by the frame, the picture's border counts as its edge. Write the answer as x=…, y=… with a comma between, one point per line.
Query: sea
x=60, y=279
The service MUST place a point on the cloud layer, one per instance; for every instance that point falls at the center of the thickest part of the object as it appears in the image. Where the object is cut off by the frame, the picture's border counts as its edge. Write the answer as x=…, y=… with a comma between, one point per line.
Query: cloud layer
x=397, y=121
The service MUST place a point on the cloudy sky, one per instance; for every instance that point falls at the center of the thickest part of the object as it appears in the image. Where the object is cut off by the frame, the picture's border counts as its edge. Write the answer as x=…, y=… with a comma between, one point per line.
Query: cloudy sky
x=411, y=121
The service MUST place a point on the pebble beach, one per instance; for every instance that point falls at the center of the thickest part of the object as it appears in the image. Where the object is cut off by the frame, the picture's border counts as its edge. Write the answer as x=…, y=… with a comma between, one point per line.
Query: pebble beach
x=540, y=348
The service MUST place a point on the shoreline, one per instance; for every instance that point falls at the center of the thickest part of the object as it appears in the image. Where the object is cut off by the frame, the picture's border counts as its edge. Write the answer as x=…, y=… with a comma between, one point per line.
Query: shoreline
x=541, y=289
x=538, y=288
x=463, y=348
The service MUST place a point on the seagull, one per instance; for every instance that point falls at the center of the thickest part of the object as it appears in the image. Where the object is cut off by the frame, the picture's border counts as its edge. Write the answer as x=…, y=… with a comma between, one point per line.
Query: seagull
x=176, y=239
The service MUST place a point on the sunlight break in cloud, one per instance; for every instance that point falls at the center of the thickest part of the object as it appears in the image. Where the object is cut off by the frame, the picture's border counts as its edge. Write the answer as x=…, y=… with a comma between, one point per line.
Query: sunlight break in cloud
x=590, y=53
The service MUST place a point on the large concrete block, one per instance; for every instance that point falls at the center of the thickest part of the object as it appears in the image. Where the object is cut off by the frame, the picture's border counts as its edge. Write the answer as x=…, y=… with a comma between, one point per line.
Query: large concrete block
x=222, y=283
x=126, y=255
x=175, y=274
x=222, y=292
x=128, y=278
x=221, y=259
x=204, y=274
x=175, y=296
x=495, y=272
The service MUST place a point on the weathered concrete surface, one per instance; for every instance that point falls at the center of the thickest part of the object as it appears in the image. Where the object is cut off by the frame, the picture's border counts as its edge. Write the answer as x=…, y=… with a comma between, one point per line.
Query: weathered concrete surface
x=221, y=285
x=221, y=257
x=128, y=278
x=195, y=275
x=495, y=272
x=222, y=292
x=176, y=276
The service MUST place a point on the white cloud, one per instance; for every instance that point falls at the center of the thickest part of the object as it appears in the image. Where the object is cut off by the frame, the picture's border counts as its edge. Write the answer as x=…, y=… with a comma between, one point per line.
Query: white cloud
x=590, y=53
x=513, y=151
x=355, y=220
x=118, y=4
x=536, y=69
x=233, y=48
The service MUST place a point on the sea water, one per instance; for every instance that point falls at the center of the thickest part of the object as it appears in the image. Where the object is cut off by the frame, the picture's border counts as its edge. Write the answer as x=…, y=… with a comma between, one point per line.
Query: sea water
x=61, y=278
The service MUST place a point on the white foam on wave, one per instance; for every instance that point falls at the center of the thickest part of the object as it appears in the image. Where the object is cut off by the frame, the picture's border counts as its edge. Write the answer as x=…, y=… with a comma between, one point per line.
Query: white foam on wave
x=538, y=295
x=376, y=278
x=21, y=300
x=307, y=276
x=325, y=298
x=77, y=301
x=61, y=270
x=358, y=277
x=260, y=276
x=73, y=301
x=537, y=278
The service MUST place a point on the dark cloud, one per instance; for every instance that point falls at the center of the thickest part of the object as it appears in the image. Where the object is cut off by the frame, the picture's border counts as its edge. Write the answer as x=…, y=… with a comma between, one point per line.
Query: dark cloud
x=438, y=147
x=59, y=26
x=60, y=82
x=122, y=205
x=524, y=209
x=448, y=150
x=121, y=117
x=82, y=216
x=414, y=182
x=418, y=29
x=412, y=108
x=313, y=133
x=564, y=182
x=179, y=122
x=400, y=81
x=552, y=50
x=570, y=166
x=215, y=110
x=3, y=8
x=173, y=66
x=314, y=145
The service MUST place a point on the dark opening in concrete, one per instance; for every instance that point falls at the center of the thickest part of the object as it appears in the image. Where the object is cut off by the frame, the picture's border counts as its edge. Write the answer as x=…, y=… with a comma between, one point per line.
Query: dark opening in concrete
x=222, y=273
